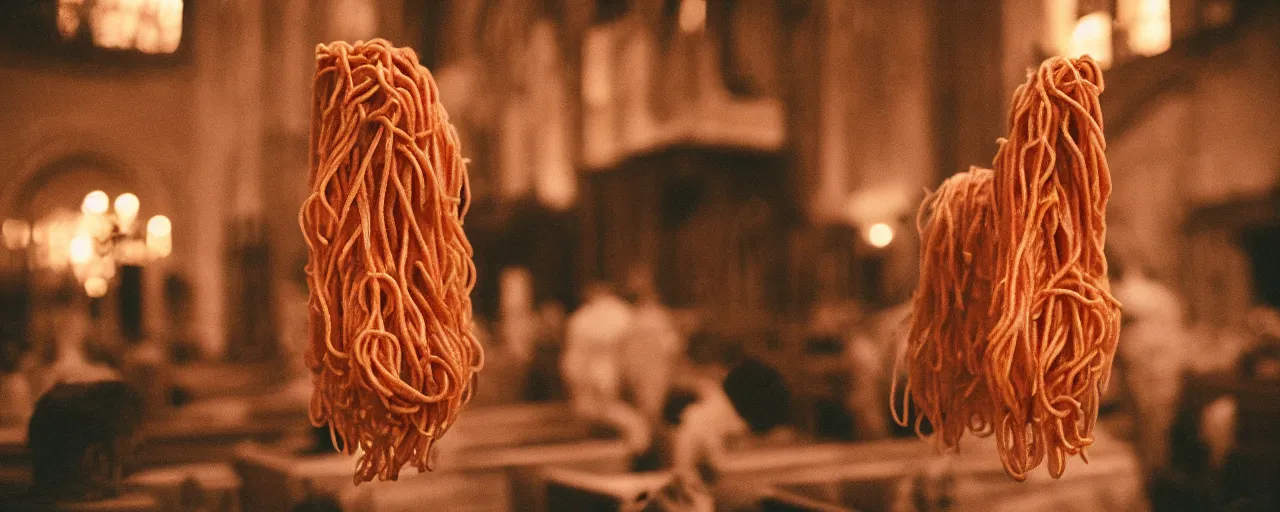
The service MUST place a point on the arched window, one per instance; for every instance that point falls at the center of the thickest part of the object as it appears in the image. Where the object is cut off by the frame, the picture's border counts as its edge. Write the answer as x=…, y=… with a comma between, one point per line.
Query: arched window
x=1147, y=25
x=1078, y=27
x=149, y=26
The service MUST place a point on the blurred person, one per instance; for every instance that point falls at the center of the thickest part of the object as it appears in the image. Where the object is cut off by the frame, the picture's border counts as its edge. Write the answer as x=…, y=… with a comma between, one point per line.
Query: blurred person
x=751, y=398
x=518, y=324
x=292, y=310
x=15, y=386
x=543, y=382
x=651, y=346
x=292, y=304
x=590, y=365
x=1150, y=356
x=871, y=352
x=71, y=364
x=1206, y=472
x=681, y=494
x=81, y=438
x=1261, y=362
x=145, y=366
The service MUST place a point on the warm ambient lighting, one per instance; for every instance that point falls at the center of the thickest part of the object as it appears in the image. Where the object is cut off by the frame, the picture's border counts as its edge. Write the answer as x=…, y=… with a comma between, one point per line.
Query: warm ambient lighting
x=16, y=234
x=693, y=15
x=880, y=235
x=81, y=249
x=1092, y=37
x=95, y=203
x=149, y=26
x=1148, y=25
x=95, y=286
x=159, y=239
x=126, y=206
x=159, y=226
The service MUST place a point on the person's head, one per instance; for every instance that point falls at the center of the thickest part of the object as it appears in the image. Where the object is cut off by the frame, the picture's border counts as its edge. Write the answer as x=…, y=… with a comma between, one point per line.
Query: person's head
x=641, y=284
x=758, y=394
x=80, y=435
x=596, y=290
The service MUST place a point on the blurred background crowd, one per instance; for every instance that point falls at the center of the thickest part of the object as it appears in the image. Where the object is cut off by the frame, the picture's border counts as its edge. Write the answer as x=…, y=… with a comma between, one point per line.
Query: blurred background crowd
x=694, y=228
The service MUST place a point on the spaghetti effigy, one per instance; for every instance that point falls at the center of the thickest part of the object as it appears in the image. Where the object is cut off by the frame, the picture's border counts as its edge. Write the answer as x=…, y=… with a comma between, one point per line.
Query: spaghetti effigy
x=390, y=269
x=1014, y=326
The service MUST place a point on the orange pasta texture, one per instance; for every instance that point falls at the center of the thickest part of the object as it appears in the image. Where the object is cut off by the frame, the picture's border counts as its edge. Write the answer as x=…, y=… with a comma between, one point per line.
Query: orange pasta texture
x=390, y=269
x=1014, y=327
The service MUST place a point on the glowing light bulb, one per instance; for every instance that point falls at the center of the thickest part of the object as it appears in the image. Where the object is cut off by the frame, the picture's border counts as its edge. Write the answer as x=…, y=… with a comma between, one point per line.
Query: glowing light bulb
x=880, y=235
x=1092, y=37
x=127, y=206
x=80, y=251
x=95, y=286
x=159, y=236
x=95, y=203
x=16, y=234
x=159, y=226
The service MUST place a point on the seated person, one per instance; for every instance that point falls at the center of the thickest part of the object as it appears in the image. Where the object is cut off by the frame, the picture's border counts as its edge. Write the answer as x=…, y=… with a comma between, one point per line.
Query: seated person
x=1207, y=472
x=752, y=398
x=80, y=436
x=749, y=398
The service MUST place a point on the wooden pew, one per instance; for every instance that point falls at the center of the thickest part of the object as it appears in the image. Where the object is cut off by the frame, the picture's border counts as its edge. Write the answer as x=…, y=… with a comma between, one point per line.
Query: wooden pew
x=569, y=489
x=525, y=465
x=128, y=502
x=1112, y=478
x=275, y=481
x=512, y=425
x=757, y=464
x=783, y=501
x=454, y=492
x=513, y=442
x=15, y=461
x=1109, y=482
x=213, y=487
x=196, y=440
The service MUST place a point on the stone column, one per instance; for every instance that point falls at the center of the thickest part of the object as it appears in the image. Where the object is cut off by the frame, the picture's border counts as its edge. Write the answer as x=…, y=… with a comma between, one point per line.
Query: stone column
x=209, y=183
x=225, y=182
x=836, y=60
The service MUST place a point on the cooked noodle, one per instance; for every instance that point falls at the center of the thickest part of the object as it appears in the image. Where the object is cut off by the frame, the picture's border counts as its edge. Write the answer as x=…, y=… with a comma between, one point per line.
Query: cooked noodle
x=390, y=270
x=1014, y=327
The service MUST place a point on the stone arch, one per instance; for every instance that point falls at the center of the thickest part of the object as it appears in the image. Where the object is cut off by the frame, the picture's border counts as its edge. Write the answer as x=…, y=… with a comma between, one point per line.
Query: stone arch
x=52, y=152
x=45, y=161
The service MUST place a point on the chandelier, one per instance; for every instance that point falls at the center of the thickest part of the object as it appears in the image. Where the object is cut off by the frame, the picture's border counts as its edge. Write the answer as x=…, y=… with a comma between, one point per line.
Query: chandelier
x=95, y=242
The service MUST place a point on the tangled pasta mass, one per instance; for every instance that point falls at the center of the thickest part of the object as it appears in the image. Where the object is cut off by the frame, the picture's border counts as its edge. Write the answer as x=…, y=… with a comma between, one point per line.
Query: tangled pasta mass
x=390, y=269
x=1014, y=327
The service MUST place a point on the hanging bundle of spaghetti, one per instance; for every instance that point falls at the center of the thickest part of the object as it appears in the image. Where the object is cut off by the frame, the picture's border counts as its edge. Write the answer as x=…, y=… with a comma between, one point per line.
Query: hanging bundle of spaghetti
x=1014, y=327
x=950, y=321
x=390, y=269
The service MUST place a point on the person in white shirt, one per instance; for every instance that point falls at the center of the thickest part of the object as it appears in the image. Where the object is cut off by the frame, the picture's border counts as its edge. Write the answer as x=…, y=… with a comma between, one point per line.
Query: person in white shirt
x=590, y=364
x=1150, y=357
x=651, y=347
x=751, y=399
